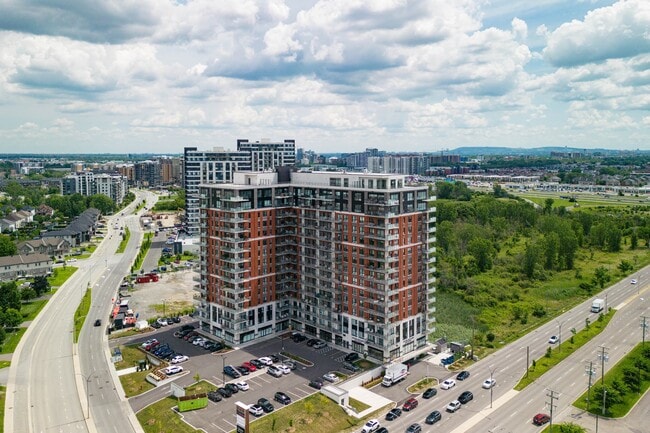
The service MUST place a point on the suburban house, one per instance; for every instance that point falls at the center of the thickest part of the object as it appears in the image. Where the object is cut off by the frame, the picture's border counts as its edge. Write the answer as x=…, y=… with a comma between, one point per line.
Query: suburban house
x=51, y=246
x=80, y=230
x=44, y=210
x=12, y=267
x=16, y=220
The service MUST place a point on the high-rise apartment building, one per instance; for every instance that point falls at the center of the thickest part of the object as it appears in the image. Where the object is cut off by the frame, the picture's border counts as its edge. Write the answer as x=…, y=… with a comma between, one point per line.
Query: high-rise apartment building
x=219, y=165
x=147, y=174
x=346, y=257
x=88, y=183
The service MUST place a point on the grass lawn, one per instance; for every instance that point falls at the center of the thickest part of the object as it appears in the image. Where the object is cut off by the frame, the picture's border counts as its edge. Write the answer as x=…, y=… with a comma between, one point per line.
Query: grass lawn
x=359, y=406
x=12, y=340
x=4, y=364
x=314, y=414
x=562, y=351
x=130, y=356
x=3, y=397
x=60, y=275
x=159, y=417
x=628, y=379
x=30, y=309
x=135, y=383
x=129, y=332
x=81, y=313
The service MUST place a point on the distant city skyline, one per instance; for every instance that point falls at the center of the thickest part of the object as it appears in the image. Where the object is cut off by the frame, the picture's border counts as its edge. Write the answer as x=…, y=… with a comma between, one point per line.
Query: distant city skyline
x=337, y=76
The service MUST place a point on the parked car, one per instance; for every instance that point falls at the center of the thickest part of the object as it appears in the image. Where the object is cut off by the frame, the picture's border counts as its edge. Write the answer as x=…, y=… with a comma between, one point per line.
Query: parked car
x=224, y=392
x=256, y=410
x=214, y=396
x=232, y=388
x=242, y=370
x=351, y=357
x=156, y=325
x=176, y=319
x=283, y=368
x=453, y=406
x=265, y=405
x=462, y=375
x=541, y=419
x=410, y=404
x=200, y=341
x=553, y=339
x=249, y=366
x=162, y=321
x=489, y=383
x=465, y=397
x=448, y=384
x=382, y=430
x=393, y=414
x=429, y=393
x=433, y=417
x=179, y=358
x=229, y=370
x=371, y=426
x=351, y=367
x=257, y=363
x=316, y=383
x=173, y=369
x=191, y=334
x=298, y=337
x=414, y=428
x=266, y=360
x=275, y=358
x=243, y=386
x=312, y=341
x=319, y=345
x=274, y=371
x=289, y=363
x=331, y=377
x=282, y=398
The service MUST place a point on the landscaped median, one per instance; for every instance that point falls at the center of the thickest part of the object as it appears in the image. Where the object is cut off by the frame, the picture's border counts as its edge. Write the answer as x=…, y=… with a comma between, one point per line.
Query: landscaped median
x=81, y=313
x=556, y=355
x=625, y=384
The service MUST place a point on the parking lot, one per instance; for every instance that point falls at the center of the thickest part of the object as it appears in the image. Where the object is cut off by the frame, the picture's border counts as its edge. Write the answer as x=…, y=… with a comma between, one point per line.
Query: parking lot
x=220, y=416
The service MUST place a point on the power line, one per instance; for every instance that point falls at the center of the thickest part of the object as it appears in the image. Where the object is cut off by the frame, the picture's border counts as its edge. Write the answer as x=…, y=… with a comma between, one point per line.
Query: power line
x=552, y=395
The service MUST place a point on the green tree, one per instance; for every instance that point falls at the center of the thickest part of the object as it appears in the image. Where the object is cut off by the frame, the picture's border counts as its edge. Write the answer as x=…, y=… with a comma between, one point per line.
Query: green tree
x=625, y=266
x=634, y=240
x=551, y=247
x=104, y=203
x=9, y=296
x=601, y=276
x=41, y=285
x=7, y=246
x=11, y=318
x=569, y=427
x=548, y=206
x=482, y=251
x=530, y=259
x=27, y=293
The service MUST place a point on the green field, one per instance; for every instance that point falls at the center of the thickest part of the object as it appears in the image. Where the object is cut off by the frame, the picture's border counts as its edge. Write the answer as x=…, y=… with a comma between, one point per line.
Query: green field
x=12, y=340
x=61, y=275
x=30, y=309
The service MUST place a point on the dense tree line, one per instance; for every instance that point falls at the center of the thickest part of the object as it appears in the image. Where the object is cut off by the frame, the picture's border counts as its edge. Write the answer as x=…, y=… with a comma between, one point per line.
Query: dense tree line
x=74, y=204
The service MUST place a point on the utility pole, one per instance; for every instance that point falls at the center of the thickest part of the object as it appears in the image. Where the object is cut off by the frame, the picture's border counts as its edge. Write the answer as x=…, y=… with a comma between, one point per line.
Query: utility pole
x=559, y=324
x=590, y=372
x=604, y=356
x=527, y=359
x=553, y=396
x=644, y=326
x=492, y=370
x=604, y=400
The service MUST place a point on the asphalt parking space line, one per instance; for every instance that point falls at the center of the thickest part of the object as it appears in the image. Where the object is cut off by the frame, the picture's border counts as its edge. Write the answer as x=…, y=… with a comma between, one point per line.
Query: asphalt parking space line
x=217, y=426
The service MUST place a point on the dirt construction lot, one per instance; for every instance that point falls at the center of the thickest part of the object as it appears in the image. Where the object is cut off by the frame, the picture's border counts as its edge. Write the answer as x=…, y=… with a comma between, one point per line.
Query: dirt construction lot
x=169, y=296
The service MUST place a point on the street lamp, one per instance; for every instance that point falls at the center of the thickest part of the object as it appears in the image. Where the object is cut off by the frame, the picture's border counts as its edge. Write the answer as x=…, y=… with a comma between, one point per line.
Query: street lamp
x=223, y=369
x=87, y=379
x=644, y=326
x=559, y=324
x=492, y=370
x=603, y=356
x=590, y=371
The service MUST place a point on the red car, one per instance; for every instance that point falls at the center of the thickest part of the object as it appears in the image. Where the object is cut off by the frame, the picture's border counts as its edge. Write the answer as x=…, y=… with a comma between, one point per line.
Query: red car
x=541, y=419
x=249, y=366
x=410, y=404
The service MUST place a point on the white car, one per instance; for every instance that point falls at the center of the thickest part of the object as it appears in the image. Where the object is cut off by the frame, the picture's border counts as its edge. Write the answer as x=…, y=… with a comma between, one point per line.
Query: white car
x=162, y=322
x=72, y=260
x=330, y=377
x=173, y=369
x=489, y=383
x=370, y=426
x=199, y=342
x=283, y=368
x=243, y=386
x=553, y=339
x=453, y=406
x=448, y=384
x=256, y=410
x=633, y=281
x=266, y=360
x=179, y=358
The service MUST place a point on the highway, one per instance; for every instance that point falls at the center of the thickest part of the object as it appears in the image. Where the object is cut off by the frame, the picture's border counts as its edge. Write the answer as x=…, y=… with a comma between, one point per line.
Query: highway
x=46, y=389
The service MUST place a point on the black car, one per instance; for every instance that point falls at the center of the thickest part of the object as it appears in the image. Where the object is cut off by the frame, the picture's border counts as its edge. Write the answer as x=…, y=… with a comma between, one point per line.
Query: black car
x=465, y=397
x=316, y=383
x=229, y=371
x=297, y=337
x=187, y=328
x=214, y=396
x=225, y=392
x=282, y=398
x=232, y=388
x=312, y=341
x=462, y=375
x=243, y=370
x=275, y=358
x=156, y=325
x=161, y=349
x=266, y=405
x=433, y=417
x=414, y=428
x=176, y=319
x=429, y=393
x=382, y=430
x=98, y=322
x=351, y=357
x=393, y=414
x=256, y=363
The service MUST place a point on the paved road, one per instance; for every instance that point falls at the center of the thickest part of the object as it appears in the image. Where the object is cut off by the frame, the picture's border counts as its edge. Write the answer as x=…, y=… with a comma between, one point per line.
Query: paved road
x=45, y=388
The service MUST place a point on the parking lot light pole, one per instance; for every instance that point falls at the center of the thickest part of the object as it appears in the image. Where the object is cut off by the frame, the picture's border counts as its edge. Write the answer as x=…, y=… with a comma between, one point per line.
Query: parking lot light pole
x=223, y=369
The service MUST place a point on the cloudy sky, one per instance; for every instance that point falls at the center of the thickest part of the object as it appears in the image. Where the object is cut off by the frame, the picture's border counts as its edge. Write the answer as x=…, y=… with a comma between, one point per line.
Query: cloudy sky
x=335, y=75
